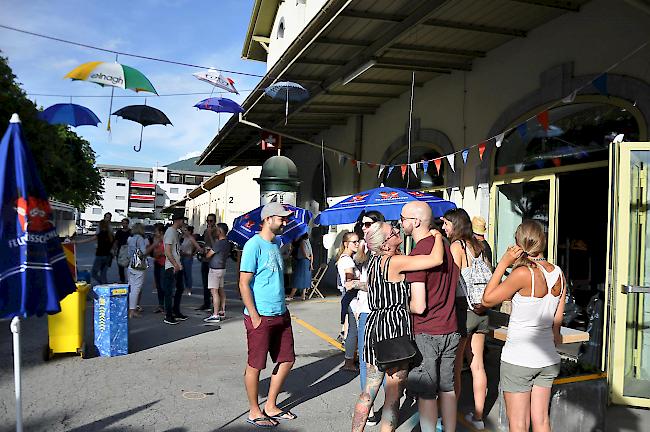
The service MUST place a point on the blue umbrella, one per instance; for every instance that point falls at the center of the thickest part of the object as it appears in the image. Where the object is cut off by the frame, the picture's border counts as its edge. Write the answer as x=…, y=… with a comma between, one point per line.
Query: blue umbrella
x=220, y=104
x=287, y=91
x=34, y=274
x=389, y=201
x=249, y=224
x=69, y=114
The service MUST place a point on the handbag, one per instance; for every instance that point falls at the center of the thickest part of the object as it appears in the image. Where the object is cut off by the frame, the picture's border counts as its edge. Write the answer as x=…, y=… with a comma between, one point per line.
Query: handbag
x=391, y=352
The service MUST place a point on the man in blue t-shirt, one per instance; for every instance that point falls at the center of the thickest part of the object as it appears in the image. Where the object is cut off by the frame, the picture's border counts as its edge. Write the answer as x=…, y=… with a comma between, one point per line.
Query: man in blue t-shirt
x=267, y=321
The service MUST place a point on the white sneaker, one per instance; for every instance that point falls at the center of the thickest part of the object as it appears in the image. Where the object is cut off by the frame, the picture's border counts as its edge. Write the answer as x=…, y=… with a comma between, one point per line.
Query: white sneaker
x=477, y=424
x=212, y=319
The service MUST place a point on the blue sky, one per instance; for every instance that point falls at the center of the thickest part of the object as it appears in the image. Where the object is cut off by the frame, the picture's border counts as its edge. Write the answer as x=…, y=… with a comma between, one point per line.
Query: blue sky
x=207, y=33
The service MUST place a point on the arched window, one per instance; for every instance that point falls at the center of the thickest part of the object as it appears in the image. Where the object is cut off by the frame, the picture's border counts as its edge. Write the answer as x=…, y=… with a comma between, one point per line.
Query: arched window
x=577, y=133
x=423, y=180
x=281, y=28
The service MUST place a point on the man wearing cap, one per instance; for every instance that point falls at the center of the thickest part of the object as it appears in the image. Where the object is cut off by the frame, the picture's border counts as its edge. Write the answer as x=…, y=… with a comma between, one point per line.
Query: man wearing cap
x=266, y=318
x=172, y=268
x=479, y=229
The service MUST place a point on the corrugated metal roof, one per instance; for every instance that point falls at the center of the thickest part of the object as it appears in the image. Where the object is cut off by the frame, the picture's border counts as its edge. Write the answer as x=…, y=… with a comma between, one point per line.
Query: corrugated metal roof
x=431, y=37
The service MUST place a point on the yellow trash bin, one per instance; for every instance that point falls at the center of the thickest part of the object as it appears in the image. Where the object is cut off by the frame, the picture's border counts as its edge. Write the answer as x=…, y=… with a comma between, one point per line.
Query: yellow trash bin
x=66, y=328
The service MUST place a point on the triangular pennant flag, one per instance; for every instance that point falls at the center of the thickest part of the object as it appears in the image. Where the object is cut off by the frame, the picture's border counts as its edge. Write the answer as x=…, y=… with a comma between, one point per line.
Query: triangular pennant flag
x=500, y=139
x=481, y=149
x=451, y=158
x=437, y=162
x=390, y=170
x=464, y=154
x=371, y=165
x=601, y=84
x=542, y=118
x=414, y=168
x=449, y=192
x=523, y=130
x=519, y=167
x=359, y=167
x=425, y=165
x=570, y=98
x=342, y=159
x=353, y=162
x=381, y=170
x=403, y=169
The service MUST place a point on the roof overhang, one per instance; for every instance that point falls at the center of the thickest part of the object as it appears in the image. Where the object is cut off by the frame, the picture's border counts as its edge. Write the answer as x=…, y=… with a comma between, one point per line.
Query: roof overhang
x=259, y=30
x=356, y=55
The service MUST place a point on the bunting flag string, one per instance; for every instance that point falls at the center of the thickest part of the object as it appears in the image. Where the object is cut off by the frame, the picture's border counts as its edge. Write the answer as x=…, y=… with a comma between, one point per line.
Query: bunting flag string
x=403, y=169
x=465, y=154
x=451, y=158
x=542, y=118
x=481, y=149
x=414, y=168
x=425, y=165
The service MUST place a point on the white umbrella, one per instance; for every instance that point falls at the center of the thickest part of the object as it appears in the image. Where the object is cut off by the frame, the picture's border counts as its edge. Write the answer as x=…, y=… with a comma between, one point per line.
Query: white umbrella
x=214, y=77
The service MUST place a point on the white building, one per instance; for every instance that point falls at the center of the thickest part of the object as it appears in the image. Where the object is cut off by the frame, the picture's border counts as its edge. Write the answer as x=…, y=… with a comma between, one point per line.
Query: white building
x=141, y=193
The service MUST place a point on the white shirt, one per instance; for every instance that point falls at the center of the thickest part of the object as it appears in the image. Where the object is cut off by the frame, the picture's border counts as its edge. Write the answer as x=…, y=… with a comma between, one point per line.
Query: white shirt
x=345, y=262
x=171, y=238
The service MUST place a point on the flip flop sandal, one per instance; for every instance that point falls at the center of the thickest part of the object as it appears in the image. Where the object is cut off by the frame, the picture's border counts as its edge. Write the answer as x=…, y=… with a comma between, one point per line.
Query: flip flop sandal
x=284, y=415
x=258, y=422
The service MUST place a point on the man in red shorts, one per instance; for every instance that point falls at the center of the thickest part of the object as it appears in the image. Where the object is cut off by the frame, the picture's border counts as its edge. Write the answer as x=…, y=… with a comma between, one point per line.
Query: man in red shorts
x=267, y=320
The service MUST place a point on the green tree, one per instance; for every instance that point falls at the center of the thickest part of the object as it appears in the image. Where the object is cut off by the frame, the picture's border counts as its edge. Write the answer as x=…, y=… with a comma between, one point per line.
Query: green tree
x=65, y=161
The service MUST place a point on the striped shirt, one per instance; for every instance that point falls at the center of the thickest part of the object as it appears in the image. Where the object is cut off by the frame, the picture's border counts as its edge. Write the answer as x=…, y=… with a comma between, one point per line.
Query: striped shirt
x=389, y=314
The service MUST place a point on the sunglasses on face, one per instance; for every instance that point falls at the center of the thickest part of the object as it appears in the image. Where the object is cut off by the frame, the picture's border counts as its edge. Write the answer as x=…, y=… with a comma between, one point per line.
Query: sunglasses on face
x=353, y=241
x=394, y=232
x=402, y=218
x=367, y=224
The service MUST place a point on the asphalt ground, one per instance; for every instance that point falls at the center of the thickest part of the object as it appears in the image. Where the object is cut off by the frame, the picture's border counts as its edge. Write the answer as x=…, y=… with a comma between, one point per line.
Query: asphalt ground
x=189, y=377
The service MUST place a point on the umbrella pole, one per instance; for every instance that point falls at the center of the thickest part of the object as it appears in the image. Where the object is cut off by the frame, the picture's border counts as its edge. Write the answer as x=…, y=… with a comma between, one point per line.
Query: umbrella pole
x=140, y=146
x=15, y=330
x=110, y=108
x=286, y=108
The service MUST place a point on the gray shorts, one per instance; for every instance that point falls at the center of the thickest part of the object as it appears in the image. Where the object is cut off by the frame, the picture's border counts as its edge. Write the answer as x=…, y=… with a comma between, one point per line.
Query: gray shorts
x=521, y=379
x=477, y=323
x=434, y=367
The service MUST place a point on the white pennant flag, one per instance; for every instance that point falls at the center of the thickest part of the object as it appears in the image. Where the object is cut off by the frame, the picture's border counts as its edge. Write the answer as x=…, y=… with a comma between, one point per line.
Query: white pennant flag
x=571, y=97
x=359, y=167
x=500, y=139
x=414, y=168
x=381, y=170
x=451, y=158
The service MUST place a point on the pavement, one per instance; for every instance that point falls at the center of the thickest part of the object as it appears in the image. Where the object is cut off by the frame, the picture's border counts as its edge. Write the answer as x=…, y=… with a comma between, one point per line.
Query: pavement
x=189, y=377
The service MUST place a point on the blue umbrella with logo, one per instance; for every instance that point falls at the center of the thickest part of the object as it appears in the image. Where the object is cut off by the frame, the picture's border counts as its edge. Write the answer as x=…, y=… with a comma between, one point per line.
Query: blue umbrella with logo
x=34, y=274
x=247, y=225
x=389, y=201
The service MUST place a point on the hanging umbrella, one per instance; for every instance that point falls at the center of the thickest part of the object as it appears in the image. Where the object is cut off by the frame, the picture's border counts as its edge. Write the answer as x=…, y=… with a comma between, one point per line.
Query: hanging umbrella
x=249, y=224
x=69, y=114
x=219, y=104
x=113, y=75
x=287, y=91
x=34, y=273
x=143, y=114
x=389, y=201
x=214, y=77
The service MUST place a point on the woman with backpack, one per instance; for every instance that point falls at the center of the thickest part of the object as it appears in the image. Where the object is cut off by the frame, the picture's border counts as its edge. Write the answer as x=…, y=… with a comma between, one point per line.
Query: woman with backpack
x=472, y=319
x=139, y=248
x=529, y=359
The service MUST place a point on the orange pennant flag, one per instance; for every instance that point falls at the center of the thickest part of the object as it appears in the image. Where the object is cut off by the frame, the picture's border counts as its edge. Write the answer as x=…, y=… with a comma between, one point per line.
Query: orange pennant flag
x=437, y=162
x=403, y=169
x=542, y=118
x=481, y=149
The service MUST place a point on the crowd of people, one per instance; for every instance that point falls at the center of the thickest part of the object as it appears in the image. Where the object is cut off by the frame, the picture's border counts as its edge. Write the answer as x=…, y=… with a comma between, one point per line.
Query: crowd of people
x=172, y=249
x=414, y=319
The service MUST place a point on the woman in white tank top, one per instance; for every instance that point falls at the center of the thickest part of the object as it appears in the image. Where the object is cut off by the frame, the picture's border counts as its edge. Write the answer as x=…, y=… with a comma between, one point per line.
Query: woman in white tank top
x=529, y=360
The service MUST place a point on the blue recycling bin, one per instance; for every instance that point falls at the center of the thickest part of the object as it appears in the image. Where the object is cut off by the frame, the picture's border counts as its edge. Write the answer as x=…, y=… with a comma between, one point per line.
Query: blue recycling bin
x=111, y=319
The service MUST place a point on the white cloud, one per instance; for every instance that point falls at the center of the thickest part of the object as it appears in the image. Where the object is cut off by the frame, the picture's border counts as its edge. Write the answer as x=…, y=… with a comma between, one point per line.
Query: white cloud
x=191, y=154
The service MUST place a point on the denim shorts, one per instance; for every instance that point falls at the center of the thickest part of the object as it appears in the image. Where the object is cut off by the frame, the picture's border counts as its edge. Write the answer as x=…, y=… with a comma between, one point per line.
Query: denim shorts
x=521, y=379
x=434, y=367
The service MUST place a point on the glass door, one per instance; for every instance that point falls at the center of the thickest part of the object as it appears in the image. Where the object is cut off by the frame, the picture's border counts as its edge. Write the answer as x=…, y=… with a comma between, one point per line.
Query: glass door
x=630, y=285
x=513, y=201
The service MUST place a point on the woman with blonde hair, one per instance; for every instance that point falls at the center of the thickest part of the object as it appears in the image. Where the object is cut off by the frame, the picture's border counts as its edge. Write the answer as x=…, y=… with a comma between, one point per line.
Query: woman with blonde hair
x=529, y=359
x=139, y=249
x=389, y=322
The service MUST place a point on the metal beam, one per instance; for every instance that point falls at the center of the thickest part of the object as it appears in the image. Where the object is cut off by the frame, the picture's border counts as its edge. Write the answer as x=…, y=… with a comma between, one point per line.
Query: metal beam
x=385, y=82
x=391, y=61
x=377, y=16
x=360, y=94
x=412, y=68
x=438, y=50
x=335, y=110
x=475, y=27
x=344, y=104
x=322, y=62
x=554, y=4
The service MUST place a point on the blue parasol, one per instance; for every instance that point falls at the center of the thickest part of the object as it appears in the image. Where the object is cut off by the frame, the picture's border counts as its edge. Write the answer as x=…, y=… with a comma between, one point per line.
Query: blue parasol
x=220, y=104
x=69, y=114
x=249, y=224
x=34, y=273
x=389, y=201
x=287, y=91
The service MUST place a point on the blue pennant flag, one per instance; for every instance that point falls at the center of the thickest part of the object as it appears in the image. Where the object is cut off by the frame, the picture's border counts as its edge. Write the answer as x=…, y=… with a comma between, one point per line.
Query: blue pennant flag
x=601, y=84
x=523, y=130
x=390, y=170
x=464, y=154
x=425, y=165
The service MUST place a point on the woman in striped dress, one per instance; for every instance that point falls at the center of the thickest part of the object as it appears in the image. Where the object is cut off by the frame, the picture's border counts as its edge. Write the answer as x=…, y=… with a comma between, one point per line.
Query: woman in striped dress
x=388, y=297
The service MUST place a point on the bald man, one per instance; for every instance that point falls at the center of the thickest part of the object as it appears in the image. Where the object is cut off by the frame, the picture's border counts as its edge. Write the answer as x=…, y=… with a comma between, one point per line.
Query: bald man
x=435, y=328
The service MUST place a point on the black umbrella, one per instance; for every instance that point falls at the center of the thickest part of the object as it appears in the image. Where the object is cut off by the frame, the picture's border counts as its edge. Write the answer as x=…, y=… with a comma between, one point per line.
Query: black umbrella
x=145, y=115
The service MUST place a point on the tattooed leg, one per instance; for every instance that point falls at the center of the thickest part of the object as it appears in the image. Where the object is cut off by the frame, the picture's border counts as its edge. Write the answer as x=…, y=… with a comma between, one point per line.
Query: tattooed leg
x=367, y=397
x=394, y=387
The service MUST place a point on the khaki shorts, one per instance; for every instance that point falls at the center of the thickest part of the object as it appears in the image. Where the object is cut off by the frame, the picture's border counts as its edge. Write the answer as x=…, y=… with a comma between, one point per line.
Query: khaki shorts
x=215, y=278
x=477, y=323
x=521, y=379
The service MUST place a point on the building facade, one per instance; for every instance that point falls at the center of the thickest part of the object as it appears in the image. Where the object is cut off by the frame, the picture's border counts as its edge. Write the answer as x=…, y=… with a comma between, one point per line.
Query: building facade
x=508, y=108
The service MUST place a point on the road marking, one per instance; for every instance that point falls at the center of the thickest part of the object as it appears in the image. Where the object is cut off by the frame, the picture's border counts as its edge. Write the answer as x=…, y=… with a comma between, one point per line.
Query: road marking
x=319, y=333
